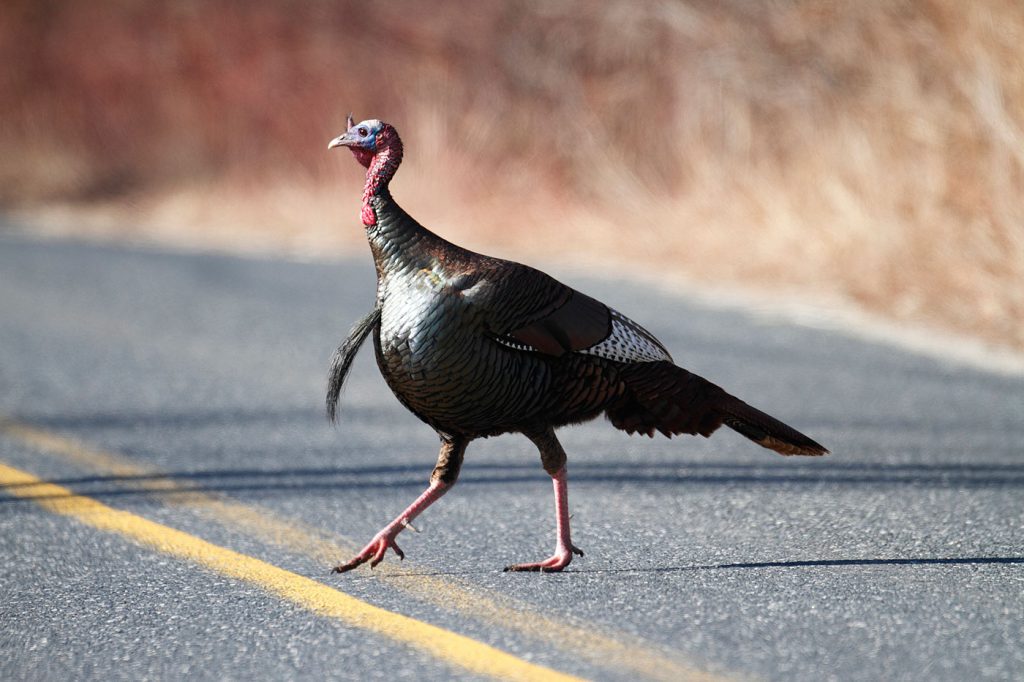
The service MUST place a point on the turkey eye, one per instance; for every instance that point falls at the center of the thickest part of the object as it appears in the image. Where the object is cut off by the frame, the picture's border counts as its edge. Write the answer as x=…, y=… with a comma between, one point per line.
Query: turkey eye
x=363, y=132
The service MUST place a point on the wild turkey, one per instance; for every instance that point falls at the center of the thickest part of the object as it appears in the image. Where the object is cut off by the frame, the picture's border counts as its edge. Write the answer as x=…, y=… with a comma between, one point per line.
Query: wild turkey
x=477, y=346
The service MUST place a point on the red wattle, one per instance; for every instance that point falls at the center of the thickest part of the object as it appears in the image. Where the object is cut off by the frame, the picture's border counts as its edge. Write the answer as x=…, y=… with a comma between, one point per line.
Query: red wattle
x=380, y=170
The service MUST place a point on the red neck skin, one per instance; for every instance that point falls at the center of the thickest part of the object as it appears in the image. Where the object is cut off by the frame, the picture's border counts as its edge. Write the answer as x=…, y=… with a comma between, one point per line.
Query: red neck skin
x=380, y=168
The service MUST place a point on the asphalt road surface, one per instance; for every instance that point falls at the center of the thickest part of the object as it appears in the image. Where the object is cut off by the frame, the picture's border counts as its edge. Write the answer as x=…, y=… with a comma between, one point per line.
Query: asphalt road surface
x=158, y=391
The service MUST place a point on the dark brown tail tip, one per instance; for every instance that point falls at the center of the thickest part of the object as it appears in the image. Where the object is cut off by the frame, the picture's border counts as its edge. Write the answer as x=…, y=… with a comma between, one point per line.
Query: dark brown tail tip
x=810, y=449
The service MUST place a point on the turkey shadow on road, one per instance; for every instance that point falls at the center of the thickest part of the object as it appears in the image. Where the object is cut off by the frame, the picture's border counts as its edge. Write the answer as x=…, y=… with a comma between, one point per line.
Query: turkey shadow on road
x=818, y=563
x=577, y=566
x=324, y=480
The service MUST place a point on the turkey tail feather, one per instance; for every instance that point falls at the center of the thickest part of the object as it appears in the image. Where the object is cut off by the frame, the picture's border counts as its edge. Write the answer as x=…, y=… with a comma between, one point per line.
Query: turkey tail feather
x=767, y=431
x=342, y=359
x=662, y=397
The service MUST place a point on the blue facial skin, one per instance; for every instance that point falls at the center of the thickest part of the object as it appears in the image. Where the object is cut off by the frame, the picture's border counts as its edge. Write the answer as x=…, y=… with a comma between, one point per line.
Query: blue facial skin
x=368, y=141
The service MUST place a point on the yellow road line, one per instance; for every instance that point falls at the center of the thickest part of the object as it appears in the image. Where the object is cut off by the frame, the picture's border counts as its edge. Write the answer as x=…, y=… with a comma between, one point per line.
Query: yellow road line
x=609, y=650
x=445, y=645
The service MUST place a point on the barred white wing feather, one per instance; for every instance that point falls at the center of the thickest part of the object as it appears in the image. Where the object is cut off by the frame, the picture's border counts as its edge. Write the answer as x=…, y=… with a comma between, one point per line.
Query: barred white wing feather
x=509, y=342
x=628, y=342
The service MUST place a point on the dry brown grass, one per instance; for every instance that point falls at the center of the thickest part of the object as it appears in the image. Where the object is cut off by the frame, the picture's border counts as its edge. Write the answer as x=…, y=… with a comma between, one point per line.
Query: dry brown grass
x=869, y=149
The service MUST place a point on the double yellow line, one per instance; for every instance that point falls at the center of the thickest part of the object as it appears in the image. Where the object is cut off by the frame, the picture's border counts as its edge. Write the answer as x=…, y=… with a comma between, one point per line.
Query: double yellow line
x=317, y=597
x=616, y=652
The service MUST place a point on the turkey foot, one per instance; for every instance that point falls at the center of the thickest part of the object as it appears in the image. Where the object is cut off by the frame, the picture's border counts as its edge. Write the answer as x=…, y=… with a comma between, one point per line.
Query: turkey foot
x=556, y=563
x=564, y=549
x=374, y=552
x=378, y=547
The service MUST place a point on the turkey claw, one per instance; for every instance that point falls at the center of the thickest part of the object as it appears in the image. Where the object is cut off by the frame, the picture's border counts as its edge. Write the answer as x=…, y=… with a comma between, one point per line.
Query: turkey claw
x=373, y=552
x=553, y=564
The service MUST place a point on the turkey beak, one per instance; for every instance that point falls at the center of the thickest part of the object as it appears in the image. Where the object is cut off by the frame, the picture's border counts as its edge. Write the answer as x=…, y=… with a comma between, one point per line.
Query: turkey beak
x=345, y=140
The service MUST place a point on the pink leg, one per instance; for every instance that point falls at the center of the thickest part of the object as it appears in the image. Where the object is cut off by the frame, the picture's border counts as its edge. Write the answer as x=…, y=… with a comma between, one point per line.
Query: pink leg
x=374, y=552
x=564, y=549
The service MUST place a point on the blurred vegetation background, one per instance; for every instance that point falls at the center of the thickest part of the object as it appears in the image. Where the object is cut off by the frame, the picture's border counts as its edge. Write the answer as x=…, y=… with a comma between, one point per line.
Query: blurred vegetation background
x=872, y=150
